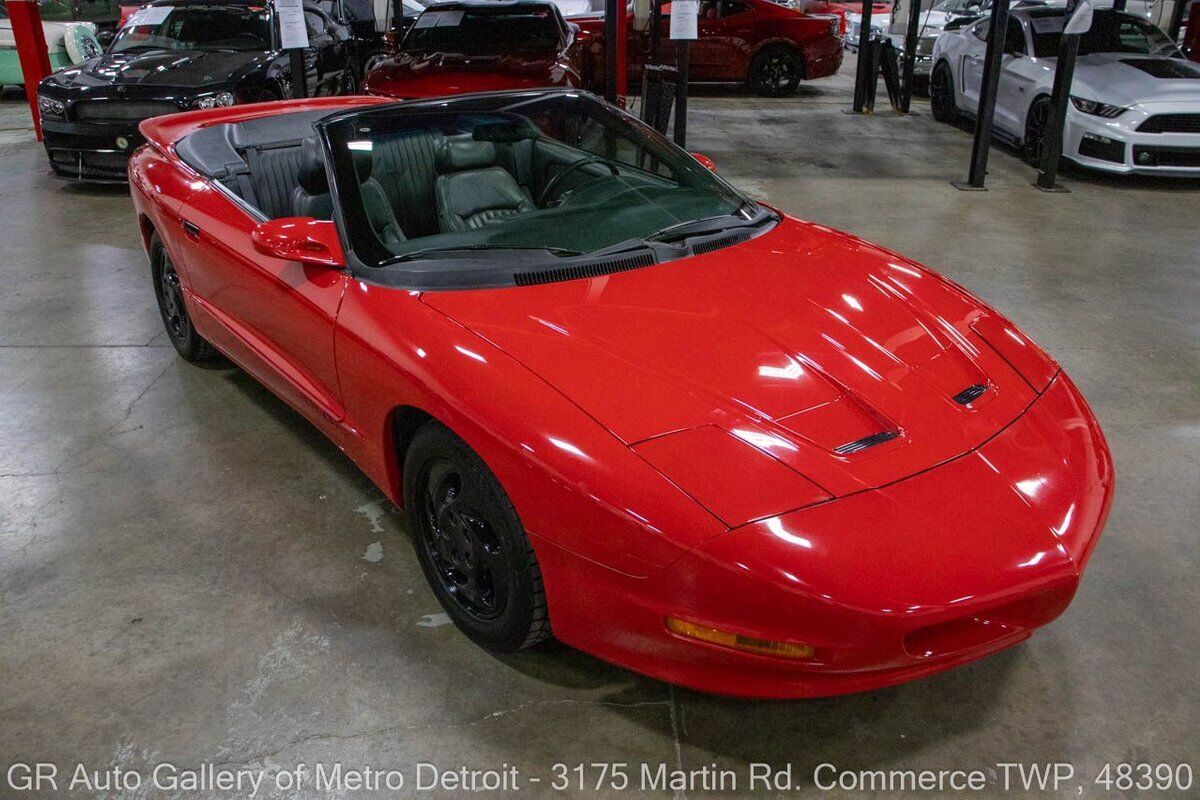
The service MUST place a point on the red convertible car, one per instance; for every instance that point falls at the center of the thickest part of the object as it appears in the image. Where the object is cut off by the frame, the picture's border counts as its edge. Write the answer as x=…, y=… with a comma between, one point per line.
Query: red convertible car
x=623, y=404
x=462, y=47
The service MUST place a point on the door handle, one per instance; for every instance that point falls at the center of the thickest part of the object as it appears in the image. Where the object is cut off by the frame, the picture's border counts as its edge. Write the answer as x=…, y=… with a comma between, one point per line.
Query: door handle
x=191, y=230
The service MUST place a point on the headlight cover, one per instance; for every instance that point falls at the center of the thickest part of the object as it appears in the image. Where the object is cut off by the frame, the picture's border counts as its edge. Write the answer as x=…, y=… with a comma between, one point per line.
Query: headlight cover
x=218, y=100
x=49, y=107
x=1096, y=108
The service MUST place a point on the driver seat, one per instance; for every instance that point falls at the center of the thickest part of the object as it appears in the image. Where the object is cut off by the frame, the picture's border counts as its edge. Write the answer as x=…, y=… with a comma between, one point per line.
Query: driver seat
x=473, y=190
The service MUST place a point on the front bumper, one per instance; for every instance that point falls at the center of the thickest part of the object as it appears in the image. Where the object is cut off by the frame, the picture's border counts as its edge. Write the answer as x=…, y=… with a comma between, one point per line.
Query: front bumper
x=1117, y=146
x=889, y=585
x=89, y=151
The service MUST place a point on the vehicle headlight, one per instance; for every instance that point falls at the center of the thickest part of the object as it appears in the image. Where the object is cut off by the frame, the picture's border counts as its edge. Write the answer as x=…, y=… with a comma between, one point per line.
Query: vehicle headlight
x=1095, y=108
x=49, y=107
x=218, y=100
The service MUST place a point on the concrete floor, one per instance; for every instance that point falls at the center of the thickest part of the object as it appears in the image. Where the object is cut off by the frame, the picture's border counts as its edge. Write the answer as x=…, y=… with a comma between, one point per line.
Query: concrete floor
x=189, y=573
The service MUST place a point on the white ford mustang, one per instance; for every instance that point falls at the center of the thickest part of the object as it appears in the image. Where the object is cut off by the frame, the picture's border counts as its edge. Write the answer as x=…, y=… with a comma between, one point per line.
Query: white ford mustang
x=1135, y=101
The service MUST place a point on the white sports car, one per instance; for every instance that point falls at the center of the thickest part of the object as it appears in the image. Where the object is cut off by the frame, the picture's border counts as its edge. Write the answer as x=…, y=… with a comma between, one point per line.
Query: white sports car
x=1135, y=101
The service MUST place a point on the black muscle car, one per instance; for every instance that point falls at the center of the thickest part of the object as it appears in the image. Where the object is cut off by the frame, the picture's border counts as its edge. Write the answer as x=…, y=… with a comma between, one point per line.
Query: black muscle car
x=177, y=55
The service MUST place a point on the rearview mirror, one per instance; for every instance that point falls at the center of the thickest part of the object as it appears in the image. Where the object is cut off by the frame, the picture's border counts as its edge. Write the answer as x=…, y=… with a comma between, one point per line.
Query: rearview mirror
x=706, y=161
x=303, y=239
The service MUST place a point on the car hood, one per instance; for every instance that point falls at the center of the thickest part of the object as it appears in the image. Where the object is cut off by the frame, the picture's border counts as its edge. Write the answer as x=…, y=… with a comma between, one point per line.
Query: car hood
x=1124, y=79
x=446, y=73
x=798, y=342
x=182, y=68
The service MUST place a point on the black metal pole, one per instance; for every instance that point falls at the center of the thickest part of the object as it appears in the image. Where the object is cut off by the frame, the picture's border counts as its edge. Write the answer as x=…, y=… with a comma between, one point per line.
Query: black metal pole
x=299, y=73
x=864, y=59
x=1177, y=18
x=910, y=54
x=1064, y=72
x=1118, y=5
x=992, y=62
x=610, y=50
x=683, y=52
x=655, y=31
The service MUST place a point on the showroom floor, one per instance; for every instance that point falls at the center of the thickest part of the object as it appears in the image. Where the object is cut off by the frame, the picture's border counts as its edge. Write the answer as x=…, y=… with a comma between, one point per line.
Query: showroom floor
x=190, y=573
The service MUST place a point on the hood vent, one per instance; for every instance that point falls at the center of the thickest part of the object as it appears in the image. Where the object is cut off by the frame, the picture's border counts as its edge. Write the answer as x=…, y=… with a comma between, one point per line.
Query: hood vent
x=592, y=269
x=1164, y=68
x=970, y=394
x=858, y=445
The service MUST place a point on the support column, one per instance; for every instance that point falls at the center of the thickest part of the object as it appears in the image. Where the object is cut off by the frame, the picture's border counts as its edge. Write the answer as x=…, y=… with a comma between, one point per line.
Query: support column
x=992, y=64
x=1064, y=72
x=861, y=76
x=26, y=20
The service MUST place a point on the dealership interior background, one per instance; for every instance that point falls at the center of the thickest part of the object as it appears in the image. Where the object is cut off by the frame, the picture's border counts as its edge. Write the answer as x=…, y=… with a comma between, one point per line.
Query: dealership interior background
x=190, y=572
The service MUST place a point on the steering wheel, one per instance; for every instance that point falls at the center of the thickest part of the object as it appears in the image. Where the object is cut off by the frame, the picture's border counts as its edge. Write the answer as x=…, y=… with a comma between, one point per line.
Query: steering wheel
x=554, y=183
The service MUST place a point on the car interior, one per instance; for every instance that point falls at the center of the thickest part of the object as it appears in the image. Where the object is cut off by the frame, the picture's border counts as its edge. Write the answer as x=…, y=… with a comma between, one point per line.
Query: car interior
x=418, y=182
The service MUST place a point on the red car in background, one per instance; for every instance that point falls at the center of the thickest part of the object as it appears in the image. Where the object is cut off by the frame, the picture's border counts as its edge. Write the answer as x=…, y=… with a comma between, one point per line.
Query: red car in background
x=768, y=46
x=463, y=47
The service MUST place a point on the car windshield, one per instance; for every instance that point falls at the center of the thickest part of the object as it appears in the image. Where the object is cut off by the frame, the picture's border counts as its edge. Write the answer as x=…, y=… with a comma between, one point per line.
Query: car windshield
x=482, y=31
x=957, y=6
x=1111, y=32
x=532, y=176
x=196, y=28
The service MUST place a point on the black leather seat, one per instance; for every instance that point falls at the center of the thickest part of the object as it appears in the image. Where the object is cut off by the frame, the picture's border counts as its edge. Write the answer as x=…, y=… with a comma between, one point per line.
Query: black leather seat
x=473, y=190
x=311, y=197
x=405, y=164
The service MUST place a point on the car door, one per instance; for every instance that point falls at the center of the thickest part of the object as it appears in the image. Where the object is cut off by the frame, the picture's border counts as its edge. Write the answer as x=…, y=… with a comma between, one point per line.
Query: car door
x=725, y=32
x=275, y=318
x=1016, y=80
x=320, y=71
x=970, y=69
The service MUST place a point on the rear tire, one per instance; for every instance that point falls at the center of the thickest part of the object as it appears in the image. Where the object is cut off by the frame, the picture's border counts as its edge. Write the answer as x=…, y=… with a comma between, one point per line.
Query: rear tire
x=173, y=308
x=777, y=71
x=941, y=94
x=471, y=544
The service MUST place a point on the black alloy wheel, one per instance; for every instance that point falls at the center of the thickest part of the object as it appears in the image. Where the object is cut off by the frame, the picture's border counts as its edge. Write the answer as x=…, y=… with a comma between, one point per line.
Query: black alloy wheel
x=777, y=71
x=941, y=94
x=471, y=545
x=168, y=290
x=1036, y=122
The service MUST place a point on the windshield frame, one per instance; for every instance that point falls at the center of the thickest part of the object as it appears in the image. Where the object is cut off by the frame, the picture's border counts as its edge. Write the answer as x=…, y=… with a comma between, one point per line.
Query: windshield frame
x=498, y=266
x=272, y=23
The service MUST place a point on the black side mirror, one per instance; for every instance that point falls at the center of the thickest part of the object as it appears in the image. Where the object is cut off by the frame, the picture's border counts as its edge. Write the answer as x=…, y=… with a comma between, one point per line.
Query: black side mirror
x=105, y=38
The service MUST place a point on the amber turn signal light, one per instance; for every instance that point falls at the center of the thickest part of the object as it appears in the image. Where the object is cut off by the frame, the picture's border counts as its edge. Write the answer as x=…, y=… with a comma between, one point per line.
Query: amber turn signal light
x=748, y=644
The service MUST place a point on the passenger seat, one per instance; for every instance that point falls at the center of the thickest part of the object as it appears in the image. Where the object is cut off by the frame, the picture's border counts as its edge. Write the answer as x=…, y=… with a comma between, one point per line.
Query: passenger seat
x=311, y=197
x=473, y=190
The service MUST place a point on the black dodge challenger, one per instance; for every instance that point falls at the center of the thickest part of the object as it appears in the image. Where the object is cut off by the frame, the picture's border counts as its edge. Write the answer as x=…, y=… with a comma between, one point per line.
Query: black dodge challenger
x=176, y=55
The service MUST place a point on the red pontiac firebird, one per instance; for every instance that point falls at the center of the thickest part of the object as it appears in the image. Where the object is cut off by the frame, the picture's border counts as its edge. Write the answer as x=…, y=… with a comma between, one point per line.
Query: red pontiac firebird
x=464, y=47
x=620, y=402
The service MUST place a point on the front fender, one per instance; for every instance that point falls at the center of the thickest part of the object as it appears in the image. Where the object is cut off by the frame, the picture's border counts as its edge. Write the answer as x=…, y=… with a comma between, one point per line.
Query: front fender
x=571, y=481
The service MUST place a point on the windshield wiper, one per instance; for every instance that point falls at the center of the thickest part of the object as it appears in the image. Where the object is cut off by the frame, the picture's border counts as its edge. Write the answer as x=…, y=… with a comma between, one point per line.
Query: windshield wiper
x=704, y=227
x=425, y=252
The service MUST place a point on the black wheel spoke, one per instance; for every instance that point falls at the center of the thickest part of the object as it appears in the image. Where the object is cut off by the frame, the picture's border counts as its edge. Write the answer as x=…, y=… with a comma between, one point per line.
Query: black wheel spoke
x=462, y=541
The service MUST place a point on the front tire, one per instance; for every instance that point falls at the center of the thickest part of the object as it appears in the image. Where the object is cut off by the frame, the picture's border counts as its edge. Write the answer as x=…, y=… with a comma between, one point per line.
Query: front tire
x=777, y=71
x=941, y=94
x=172, y=307
x=471, y=544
